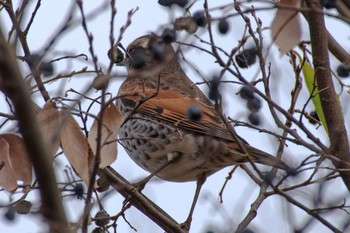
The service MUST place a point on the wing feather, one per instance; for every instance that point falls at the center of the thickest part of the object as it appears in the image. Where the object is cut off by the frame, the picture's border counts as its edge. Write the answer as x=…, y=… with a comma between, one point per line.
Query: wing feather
x=173, y=108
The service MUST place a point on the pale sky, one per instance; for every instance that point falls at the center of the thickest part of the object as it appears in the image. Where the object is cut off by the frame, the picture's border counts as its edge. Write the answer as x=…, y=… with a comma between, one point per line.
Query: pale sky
x=174, y=198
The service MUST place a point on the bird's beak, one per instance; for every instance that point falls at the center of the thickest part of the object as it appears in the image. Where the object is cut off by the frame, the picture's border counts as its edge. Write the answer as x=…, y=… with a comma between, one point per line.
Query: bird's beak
x=122, y=63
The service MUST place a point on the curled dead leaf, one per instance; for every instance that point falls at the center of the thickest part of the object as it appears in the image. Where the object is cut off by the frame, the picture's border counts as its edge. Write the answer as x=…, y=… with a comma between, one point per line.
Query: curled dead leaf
x=49, y=123
x=7, y=178
x=185, y=23
x=76, y=148
x=16, y=164
x=285, y=28
x=111, y=122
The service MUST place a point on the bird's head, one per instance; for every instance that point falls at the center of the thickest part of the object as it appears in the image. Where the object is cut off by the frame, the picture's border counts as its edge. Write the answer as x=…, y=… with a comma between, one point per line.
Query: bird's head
x=149, y=52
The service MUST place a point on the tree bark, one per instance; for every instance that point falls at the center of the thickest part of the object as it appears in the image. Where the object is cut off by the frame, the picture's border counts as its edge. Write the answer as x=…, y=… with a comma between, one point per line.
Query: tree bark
x=339, y=144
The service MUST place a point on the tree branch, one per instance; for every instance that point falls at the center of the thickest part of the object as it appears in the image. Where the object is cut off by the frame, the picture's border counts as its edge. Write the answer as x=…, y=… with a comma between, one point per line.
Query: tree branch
x=337, y=50
x=329, y=100
x=13, y=85
x=141, y=202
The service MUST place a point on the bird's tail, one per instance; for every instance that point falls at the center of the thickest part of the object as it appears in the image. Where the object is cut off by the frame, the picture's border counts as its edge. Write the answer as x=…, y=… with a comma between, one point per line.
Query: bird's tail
x=262, y=157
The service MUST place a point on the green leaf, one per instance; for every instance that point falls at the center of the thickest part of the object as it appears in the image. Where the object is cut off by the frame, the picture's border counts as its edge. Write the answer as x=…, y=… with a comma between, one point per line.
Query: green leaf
x=309, y=78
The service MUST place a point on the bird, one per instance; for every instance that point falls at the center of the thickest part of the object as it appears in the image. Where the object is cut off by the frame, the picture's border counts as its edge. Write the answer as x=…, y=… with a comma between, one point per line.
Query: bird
x=160, y=134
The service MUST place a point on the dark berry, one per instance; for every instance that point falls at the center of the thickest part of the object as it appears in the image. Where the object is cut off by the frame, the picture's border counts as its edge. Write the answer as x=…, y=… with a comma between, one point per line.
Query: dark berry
x=157, y=51
x=254, y=118
x=168, y=35
x=169, y=3
x=194, y=112
x=247, y=230
x=241, y=60
x=115, y=55
x=181, y=3
x=253, y=104
x=199, y=18
x=98, y=230
x=223, y=26
x=103, y=185
x=293, y=172
x=214, y=91
x=138, y=59
x=46, y=68
x=166, y=3
x=314, y=119
x=101, y=218
x=314, y=115
x=79, y=190
x=329, y=4
x=10, y=214
x=246, y=92
x=35, y=62
x=343, y=71
x=246, y=58
x=23, y=207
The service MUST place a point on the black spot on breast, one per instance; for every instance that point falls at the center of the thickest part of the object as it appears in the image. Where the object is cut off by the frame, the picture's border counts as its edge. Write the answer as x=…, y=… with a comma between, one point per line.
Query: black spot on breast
x=146, y=156
x=159, y=110
x=143, y=141
x=154, y=134
x=152, y=148
x=134, y=146
x=166, y=140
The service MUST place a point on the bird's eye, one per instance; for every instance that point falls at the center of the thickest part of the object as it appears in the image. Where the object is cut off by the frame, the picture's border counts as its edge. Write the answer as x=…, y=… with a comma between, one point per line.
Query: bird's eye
x=137, y=57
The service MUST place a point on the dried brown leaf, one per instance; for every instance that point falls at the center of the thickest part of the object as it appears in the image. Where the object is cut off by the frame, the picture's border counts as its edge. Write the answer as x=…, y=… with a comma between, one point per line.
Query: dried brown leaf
x=7, y=178
x=17, y=165
x=285, y=28
x=48, y=119
x=185, y=23
x=76, y=147
x=112, y=120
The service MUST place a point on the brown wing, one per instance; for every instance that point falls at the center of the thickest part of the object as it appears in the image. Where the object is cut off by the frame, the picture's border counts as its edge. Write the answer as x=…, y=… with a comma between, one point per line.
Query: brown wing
x=172, y=107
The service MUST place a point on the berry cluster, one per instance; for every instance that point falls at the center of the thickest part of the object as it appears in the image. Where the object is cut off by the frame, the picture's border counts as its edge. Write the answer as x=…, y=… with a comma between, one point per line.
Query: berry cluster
x=246, y=58
x=253, y=104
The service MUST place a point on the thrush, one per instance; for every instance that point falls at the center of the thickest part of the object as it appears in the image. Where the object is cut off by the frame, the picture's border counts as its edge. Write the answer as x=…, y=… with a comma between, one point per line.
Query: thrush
x=158, y=132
